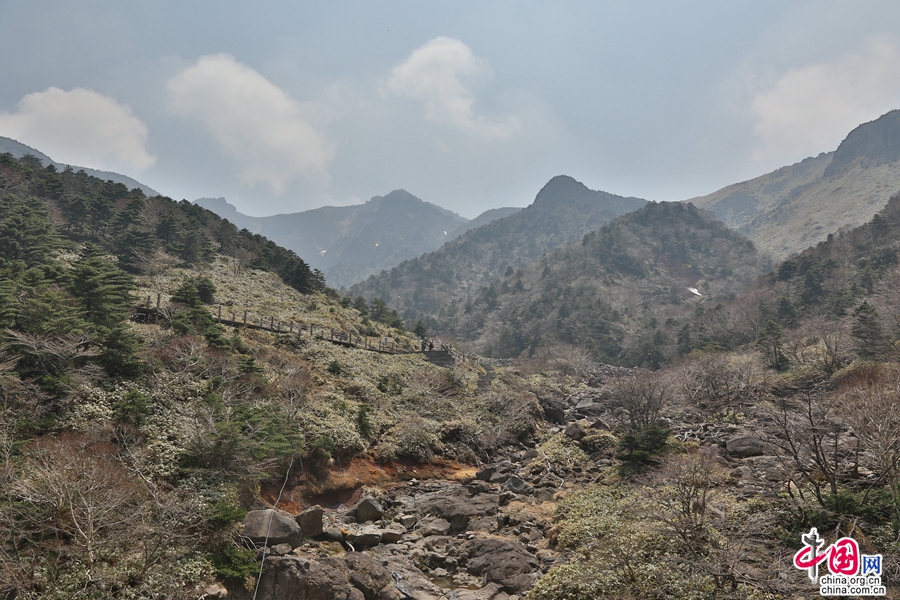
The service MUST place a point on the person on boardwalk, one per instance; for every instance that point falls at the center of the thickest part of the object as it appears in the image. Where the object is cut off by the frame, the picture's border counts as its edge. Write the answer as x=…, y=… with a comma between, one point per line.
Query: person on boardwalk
x=424, y=344
x=430, y=345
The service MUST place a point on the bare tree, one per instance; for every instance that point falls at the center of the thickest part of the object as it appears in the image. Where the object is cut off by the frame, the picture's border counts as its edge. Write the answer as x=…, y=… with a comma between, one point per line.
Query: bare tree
x=643, y=397
x=871, y=403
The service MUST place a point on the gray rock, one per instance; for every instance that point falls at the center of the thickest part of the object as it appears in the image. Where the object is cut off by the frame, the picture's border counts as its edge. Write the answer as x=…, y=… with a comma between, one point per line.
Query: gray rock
x=433, y=526
x=746, y=446
x=554, y=409
x=281, y=528
x=574, y=431
x=365, y=536
x=281, y=549
x=334, y=534
x=406, y=520
x=367, y=509
x=353, y=576
x=392, y=534
x=543, y=495
x=456, y=506
x=517, y=485
x=485, y=473
x=501, y=561
x=310, y=521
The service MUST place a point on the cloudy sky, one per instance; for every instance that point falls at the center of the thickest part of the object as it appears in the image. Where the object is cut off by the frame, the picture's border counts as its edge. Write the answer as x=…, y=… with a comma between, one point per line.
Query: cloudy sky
x=282, y=106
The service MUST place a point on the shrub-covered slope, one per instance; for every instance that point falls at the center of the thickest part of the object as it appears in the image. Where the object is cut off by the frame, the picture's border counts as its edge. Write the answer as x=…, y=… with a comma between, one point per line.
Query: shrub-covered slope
x=623, y=292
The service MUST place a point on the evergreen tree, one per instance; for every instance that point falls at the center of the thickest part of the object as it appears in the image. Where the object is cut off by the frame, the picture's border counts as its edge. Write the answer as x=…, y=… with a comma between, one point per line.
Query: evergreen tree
x=867, y=330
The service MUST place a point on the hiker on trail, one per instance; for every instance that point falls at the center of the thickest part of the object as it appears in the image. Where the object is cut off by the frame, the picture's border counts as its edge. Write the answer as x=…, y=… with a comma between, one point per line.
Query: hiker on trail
x=430, y=345
x=424, y=344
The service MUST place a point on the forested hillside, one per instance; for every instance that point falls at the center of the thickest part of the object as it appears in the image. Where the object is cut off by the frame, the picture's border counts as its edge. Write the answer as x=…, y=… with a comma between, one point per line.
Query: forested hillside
x=622, y=293
x=562, y=212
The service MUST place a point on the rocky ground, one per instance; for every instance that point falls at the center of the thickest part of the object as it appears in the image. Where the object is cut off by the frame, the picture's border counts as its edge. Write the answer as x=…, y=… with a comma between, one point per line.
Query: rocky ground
x=487, y=537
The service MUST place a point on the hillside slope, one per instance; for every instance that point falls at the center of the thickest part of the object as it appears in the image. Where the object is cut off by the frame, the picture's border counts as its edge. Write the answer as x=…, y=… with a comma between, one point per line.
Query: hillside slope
x=790, y=209
x=620, y=292
x=563, y=211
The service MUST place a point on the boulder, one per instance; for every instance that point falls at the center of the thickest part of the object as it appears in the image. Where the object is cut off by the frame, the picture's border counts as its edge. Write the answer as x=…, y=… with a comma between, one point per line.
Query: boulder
x=746, y=446
x=310, y=521
x=485, y=473
x=367, y=509
x=456, y=506
x=574, y=431
x=352, y=576
x=367, y=536
x=554, y=409
x=517, y=485
x=281, y=529
x=433, y=526
x=501, y=561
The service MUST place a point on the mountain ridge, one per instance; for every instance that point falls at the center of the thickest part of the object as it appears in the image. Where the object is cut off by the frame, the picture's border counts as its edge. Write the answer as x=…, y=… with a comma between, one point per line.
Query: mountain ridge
x=18, y=150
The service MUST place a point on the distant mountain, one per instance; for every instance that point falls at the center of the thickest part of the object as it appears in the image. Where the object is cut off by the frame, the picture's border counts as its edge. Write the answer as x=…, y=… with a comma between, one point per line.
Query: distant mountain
x=563, y=211
x=795, y=207
x=18, y=150
x=622, y=292
x=485, y=218
x=349, y=243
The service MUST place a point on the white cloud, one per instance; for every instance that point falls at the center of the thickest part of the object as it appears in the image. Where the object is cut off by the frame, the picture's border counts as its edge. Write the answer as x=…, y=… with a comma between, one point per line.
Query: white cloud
x=434, y=74
x=80, y=127
x=811, y=109
x=262, y=128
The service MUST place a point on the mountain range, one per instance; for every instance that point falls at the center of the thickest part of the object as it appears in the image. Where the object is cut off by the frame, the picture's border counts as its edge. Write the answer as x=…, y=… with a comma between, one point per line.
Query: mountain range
x=562, y=212
x=349, y=243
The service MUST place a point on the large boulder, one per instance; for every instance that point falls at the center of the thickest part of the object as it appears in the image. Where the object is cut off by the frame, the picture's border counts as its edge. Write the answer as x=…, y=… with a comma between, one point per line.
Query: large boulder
x=554, y=409
x=746, y=446
x=310, y=521
x=280, y=528
x=457, y=506
x=367, y=509
x=503, y=562
x=353, y=576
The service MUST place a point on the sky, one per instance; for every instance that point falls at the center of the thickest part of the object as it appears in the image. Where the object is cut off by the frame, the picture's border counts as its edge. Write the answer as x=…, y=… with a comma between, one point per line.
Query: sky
x=285, y=106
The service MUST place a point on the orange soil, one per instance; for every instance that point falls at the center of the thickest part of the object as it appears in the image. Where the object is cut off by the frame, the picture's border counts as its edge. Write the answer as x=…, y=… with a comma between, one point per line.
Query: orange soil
x=344, y=482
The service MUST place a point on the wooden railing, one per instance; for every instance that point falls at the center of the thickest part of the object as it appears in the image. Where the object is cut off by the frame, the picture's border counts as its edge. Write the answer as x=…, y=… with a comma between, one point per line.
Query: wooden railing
x=247, y=320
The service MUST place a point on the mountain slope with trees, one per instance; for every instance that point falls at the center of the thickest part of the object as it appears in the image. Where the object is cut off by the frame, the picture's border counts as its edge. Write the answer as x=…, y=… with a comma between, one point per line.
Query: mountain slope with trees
x=790, y=209
x=623, y=292
x=562, y=212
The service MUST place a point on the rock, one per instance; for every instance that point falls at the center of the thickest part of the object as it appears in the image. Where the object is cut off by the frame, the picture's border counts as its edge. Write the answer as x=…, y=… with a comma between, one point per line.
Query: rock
x=216, y=590
x=589, y=407
x=478, y=487
x=310, y=521
x=746, y=446
x=433, y=526
x=392, y=534
x=406, y=520
x=352, y=576
x=492, y=591
x=501, y=561
x=543, y=495
x=334, y=534
x=367, y=536
x=574, y=431
x=367, y=509
x=409, y=581
x=600, y=424
x=281, y=528
x=517, y=485
x=554, y=409
x=281, y=549
x=499, y=477
x=454, y=504
x=485, y=473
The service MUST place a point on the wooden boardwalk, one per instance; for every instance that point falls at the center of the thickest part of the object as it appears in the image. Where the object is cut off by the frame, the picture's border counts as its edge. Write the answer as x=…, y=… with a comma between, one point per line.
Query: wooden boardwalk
x=445, y=357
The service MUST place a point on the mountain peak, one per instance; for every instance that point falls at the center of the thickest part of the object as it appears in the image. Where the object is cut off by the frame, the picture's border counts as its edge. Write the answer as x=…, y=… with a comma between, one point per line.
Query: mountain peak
x=561, y=187
x=876, y=143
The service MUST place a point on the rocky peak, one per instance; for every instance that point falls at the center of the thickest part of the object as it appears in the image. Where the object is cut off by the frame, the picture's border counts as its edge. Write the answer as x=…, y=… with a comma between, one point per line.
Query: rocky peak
x=876, y=143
